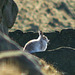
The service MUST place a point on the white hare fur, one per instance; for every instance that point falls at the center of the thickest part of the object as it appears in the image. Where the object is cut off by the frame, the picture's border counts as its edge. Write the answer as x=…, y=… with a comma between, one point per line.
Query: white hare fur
x=37, y=45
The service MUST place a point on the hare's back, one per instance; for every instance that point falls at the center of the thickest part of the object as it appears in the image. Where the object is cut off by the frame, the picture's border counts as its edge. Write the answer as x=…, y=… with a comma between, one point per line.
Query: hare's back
x=31, y=45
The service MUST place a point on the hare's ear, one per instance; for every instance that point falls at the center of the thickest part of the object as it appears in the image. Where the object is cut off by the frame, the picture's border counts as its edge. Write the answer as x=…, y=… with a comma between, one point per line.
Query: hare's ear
x=40, y=33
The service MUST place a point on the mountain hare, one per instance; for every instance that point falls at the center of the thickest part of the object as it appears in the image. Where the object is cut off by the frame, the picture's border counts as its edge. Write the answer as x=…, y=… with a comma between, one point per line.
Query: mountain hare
x=37, y=45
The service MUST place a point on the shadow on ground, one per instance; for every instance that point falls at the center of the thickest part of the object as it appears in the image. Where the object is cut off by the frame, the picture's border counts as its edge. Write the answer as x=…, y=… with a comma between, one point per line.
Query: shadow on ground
x=62, y=58
x=57, y=39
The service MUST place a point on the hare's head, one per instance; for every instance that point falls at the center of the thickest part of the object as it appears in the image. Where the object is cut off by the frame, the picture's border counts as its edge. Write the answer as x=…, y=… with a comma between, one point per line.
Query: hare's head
x=43, y=37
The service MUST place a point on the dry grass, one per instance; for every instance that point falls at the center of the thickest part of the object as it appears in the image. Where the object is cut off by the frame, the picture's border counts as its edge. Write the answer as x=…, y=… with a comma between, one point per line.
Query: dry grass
x=10, y=65
x=48, y=69
x=44, y=15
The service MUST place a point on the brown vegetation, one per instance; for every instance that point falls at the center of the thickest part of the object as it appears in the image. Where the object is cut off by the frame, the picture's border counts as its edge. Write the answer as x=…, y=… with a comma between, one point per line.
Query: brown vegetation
x=46, y=15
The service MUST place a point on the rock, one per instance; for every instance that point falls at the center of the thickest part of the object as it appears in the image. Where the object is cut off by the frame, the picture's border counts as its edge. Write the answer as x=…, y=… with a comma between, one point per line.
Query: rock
x=8, y=13
x=6, y=44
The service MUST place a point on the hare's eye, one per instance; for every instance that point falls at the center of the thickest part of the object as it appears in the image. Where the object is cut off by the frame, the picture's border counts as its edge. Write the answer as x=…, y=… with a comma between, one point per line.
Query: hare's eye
x=44, y=38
